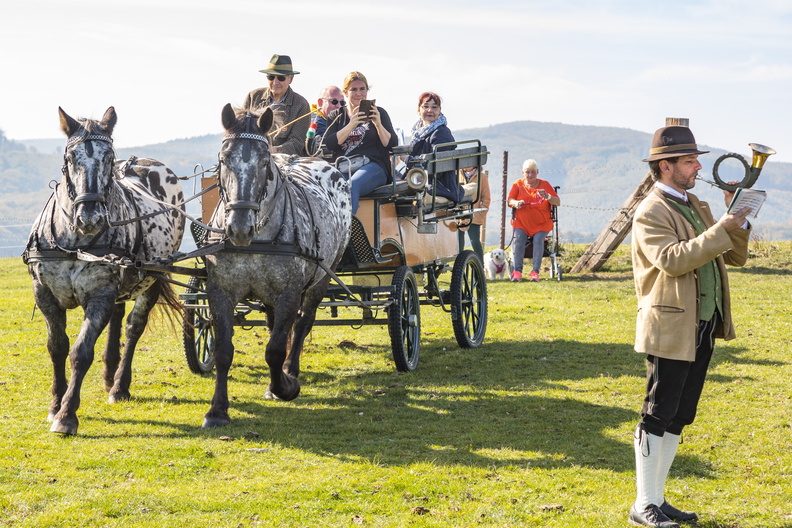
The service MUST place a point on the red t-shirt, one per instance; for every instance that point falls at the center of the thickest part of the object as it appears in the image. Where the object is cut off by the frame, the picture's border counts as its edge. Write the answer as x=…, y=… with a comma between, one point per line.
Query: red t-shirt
x=534, y=215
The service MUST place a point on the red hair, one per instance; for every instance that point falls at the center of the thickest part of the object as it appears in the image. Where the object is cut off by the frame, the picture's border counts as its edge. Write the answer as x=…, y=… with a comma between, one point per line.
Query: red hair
x=429, y=96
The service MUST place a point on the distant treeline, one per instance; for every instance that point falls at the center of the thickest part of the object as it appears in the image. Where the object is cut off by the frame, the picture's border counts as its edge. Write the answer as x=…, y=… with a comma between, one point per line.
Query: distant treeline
x=596, y=168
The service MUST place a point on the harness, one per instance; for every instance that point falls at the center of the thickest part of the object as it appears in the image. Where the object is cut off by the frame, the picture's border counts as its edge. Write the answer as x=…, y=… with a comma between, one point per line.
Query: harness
x=285, y=191
x=287, y=188
x=91, y=252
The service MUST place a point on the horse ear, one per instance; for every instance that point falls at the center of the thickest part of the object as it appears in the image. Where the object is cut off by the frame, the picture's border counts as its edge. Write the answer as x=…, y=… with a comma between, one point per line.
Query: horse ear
x=228, y=116
x=68, y=124
x=265, y=120
x=109, y=120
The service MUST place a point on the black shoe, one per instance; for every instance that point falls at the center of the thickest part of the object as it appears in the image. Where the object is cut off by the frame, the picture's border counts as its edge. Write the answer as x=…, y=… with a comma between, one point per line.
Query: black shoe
x=652, y=516
x=678, y=515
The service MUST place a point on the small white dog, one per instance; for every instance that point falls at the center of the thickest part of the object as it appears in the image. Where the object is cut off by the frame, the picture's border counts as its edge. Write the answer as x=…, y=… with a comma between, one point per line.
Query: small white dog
x=496, y=265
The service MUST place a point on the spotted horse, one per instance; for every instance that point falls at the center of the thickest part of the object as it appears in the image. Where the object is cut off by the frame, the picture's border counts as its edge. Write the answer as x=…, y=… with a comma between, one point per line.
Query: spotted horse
x=102, y=211
x=284, y=223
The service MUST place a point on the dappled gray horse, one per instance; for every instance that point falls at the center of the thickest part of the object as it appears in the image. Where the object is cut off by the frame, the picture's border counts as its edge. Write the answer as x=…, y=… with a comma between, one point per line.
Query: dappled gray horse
x=101, y=211
x=287, y=222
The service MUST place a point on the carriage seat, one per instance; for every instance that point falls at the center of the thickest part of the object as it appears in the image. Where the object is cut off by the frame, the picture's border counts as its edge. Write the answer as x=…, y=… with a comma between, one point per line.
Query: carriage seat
x=389, y=189
x=402, y=190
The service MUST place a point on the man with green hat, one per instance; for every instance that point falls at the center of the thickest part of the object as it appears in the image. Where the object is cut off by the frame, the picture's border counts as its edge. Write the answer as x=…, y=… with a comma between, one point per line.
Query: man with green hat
x=291, y=110
x=679, y=255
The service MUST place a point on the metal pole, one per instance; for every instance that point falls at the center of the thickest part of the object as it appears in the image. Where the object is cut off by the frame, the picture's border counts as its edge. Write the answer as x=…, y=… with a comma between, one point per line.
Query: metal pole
x=503, y=201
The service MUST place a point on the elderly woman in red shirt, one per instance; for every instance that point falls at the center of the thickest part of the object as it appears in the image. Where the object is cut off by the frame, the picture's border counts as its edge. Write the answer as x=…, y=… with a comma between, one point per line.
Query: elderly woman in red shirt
x=532, y=200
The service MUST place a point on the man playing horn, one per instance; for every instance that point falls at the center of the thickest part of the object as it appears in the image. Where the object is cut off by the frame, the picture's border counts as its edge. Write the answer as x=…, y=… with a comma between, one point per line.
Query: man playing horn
x=679, y=255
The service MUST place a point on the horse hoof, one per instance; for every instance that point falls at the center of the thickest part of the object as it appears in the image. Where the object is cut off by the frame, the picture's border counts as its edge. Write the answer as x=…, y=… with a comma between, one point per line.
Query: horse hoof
x=210, y=423
x=118, y=397
x=63, y=428
x=289, y=396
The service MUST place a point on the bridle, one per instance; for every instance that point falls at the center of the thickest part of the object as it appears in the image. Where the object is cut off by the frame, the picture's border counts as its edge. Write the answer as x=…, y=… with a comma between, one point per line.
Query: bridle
x=255, y=204
x=85, y=197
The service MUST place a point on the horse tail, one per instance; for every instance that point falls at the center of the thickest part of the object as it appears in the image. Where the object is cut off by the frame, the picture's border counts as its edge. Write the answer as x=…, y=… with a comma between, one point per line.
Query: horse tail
x=168, y=301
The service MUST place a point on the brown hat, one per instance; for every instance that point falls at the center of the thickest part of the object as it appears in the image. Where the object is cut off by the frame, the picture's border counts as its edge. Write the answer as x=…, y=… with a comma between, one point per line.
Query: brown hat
x=673, y=141
x=280, y=65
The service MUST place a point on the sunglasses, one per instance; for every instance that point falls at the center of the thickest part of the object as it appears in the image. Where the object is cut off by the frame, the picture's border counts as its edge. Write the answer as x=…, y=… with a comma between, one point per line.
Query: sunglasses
x=335, y=101
x=271, y=77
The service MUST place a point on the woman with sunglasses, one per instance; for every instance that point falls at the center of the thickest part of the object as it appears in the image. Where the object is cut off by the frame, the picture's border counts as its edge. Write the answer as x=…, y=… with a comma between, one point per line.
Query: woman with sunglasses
x=365, y=139
x=290, y=109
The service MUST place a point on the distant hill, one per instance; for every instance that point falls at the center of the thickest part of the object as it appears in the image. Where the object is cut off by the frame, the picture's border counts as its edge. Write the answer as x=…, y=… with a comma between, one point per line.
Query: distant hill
x=597, y=169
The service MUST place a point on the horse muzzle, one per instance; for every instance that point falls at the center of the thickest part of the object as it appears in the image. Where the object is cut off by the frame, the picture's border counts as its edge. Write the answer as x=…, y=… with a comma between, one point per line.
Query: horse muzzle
x=90, y=213
x=241, y=222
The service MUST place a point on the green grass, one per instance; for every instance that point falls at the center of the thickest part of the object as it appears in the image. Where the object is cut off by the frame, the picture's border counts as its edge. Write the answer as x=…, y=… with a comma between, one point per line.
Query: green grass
x=532, y=429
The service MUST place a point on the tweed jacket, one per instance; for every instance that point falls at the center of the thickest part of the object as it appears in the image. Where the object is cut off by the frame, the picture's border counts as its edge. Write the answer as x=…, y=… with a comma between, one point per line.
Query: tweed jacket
x=666, y=255
x=290, y=140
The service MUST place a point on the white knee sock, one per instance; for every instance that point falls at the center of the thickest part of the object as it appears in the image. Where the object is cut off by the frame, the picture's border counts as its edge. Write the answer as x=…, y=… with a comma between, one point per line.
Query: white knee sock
x=668, y=451
x=647, y=462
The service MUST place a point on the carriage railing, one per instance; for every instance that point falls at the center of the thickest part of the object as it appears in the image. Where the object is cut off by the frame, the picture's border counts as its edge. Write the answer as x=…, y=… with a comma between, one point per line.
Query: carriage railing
x=444, y=159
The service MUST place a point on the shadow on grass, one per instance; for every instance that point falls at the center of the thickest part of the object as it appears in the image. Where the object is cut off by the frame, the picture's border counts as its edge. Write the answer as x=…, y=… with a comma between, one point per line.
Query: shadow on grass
x=505, y=403
x=761, y=270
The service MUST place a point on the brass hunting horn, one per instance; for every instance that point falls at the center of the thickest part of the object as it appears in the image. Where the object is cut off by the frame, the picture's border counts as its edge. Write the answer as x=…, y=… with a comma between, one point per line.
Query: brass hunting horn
x=760, y=155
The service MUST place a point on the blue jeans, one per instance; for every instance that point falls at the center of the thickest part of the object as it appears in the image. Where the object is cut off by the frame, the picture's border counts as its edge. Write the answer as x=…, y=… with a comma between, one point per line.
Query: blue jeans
x=474, y=233
x=365, y=180
x=521, y=240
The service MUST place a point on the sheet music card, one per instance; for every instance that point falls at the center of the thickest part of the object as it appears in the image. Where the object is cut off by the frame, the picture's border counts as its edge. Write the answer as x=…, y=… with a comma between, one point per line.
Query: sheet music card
x=744, y=197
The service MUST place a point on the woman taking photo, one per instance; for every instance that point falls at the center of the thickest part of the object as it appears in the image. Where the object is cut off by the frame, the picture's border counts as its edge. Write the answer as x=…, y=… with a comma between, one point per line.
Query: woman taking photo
x=366, y=139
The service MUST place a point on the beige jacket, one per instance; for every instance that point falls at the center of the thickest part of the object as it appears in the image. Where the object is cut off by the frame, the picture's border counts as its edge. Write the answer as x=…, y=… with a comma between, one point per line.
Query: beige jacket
x=666, y=255
x=485, y=196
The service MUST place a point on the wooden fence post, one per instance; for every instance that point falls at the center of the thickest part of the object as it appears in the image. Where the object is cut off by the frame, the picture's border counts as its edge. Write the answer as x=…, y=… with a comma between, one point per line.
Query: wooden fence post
x=503, y=202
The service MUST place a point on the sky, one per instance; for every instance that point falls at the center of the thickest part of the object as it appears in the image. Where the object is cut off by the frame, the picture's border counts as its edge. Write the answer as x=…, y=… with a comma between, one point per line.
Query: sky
x=169, y=66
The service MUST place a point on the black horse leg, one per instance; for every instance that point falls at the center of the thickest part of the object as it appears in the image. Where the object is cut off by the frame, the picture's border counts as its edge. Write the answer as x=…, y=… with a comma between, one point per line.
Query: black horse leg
x=98, y=311
x=135, y=326
x=57, y=344
x=222, y=310
x=302, y=326
x=283, y=385
x=112, y=353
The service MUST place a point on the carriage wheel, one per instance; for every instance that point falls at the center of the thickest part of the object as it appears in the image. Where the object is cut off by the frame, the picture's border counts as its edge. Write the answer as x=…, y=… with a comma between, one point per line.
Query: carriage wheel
x=468, y=300
x=198, y=333
x=404, y=320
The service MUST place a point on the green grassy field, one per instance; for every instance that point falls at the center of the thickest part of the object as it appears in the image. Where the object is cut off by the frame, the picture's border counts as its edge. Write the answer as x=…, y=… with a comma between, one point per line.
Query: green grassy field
x=534, y=428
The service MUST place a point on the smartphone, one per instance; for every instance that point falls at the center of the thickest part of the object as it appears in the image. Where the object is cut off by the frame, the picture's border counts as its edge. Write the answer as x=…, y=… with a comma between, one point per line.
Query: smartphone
x=365, y=107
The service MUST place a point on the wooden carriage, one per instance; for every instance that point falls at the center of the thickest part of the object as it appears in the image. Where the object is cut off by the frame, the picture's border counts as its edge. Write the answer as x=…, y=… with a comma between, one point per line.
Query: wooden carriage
x=403, y=239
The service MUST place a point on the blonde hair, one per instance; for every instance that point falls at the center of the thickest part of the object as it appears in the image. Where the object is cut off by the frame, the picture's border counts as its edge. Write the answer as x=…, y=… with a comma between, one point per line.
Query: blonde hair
x=352, y=77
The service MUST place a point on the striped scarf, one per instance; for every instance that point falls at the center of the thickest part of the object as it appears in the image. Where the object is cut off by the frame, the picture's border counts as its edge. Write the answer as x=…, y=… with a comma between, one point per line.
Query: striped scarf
x=419, y=131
